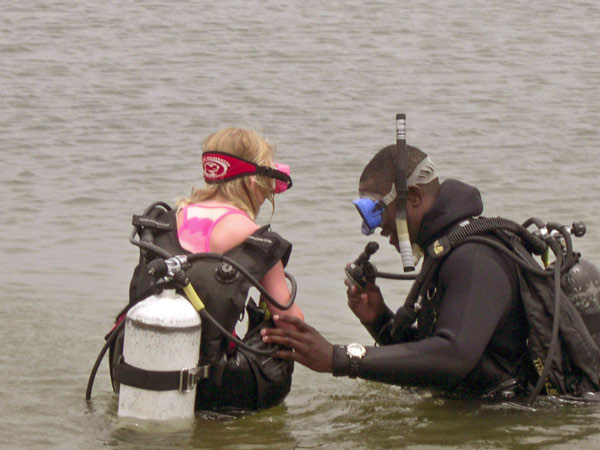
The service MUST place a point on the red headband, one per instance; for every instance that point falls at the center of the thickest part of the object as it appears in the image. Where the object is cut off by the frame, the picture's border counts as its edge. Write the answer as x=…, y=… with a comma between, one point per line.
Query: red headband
x=219, y=167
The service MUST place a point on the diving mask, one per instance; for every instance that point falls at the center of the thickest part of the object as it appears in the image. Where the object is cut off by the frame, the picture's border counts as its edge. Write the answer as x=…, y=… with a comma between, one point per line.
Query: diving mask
x=371, y=211
x=282, y=185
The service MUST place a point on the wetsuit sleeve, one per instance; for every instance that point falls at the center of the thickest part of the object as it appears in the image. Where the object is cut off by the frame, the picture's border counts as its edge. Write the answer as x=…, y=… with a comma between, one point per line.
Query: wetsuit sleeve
x=478, y=297
x=376, y=329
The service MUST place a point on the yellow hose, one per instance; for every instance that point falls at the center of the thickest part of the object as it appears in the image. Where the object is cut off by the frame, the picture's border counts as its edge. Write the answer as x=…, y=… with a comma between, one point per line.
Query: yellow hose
x=193, y=298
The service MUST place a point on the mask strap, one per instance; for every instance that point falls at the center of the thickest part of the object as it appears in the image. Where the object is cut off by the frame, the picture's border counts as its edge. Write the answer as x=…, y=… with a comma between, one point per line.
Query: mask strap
x=219, y=167
x=390, y=196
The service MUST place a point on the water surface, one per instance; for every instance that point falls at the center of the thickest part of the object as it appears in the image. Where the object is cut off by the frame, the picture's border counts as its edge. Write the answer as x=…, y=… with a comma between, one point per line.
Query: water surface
x=103, y=110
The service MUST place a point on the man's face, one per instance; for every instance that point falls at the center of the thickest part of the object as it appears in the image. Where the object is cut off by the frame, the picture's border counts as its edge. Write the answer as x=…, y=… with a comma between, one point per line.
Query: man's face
x=388, y=225
x=416, y=205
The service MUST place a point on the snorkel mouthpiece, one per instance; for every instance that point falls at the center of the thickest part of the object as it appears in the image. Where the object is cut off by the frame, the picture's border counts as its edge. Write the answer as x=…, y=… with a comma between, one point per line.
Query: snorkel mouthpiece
x=402, y=194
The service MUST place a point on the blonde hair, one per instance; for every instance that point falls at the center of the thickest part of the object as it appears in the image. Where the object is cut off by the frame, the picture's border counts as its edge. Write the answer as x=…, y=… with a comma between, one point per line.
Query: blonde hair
x=246, y=144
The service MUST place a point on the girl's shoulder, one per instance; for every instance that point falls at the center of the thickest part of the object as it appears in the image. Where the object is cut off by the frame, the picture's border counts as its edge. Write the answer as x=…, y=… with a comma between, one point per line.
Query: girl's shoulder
x=231, y=230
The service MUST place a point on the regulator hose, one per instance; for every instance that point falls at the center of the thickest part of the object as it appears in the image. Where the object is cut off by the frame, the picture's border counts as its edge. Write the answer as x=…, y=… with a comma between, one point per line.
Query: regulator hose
x=109, y=341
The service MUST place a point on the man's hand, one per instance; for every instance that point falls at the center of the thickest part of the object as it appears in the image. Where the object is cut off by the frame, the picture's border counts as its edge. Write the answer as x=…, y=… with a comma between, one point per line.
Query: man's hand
x=309, y=347
x=366, y=303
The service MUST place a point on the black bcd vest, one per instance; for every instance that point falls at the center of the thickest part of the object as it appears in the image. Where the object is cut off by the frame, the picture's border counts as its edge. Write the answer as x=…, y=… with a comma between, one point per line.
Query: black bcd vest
x=238, y=378
x=575, y=368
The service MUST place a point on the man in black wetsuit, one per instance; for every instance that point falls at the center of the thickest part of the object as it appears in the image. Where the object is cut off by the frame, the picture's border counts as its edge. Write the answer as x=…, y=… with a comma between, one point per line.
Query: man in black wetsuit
x=472, y=330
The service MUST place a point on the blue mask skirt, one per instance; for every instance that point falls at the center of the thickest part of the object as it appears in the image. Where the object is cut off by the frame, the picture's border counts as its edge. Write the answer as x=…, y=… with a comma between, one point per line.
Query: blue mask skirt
x=371, y=212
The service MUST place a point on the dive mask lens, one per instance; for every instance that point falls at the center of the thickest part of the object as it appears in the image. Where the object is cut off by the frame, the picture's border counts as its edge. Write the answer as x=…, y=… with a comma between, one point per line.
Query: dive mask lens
x=281, y=185
x=371, y=212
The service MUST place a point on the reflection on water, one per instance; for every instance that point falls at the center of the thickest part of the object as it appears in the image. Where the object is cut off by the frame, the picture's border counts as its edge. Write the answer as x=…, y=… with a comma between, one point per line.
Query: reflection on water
x=104, y=109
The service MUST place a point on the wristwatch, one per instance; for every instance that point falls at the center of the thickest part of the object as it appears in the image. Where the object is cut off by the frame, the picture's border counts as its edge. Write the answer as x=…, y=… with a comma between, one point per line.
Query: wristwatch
x=355, y=352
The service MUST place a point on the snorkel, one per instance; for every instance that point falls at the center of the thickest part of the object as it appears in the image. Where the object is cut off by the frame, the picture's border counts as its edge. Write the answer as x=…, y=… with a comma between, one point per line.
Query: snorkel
x=402, y=194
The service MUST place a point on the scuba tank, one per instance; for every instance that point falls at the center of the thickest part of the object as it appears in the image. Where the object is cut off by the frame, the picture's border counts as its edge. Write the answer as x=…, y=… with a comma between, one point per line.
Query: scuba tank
x=162, y=337
x=582, y=285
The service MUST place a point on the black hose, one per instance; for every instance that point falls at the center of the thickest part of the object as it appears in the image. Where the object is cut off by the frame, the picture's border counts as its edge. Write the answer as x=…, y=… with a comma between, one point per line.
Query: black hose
x=570, y=258
x=429, y=265
x=293, y=283
x=149, y=246
x=535, y=221
x=524, y=264
x=485, y=225
x=109, y=341
x=395, y=276
x=205, y=315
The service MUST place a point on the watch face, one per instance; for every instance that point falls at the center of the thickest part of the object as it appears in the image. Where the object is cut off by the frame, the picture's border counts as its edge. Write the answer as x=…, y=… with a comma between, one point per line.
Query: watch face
x=356, y=350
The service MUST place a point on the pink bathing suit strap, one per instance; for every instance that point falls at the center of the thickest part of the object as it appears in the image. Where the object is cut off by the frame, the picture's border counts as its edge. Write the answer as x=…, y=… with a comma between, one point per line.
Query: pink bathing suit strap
x=189, y=224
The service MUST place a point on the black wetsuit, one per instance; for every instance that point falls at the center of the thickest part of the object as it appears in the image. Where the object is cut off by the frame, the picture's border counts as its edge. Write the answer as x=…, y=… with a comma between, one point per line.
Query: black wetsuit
x=480, y=333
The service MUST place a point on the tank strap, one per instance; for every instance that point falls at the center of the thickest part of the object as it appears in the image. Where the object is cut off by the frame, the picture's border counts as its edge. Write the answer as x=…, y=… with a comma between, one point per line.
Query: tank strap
x=182, y=380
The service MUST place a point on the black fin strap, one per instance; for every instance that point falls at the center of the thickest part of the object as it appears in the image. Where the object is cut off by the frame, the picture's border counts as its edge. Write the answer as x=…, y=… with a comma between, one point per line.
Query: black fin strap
x=182, y=380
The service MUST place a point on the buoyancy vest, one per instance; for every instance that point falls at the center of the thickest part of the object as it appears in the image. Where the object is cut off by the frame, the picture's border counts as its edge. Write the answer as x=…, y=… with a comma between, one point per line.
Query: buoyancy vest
x=575, y=368
x=576, y=365
x=493, y=375
x=238, y=378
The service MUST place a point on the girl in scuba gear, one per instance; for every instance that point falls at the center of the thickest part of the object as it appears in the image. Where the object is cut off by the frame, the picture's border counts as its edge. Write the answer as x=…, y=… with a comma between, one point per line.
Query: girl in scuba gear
x=240, y=174
x=212, y=240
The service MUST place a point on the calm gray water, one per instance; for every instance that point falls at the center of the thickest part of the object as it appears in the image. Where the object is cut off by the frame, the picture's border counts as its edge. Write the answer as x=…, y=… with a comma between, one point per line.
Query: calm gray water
x=103, y=108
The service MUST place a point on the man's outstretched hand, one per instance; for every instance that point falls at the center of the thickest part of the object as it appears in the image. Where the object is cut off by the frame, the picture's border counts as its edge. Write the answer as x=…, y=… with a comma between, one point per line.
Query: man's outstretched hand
x=309, y=348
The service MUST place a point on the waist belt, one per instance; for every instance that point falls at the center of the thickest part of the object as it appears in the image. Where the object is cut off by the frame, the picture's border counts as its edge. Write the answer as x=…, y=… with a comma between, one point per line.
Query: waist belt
x=182, y=380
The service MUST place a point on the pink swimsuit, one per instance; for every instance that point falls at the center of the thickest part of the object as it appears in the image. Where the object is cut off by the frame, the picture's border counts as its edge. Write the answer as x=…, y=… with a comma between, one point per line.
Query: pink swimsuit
x=198, y=222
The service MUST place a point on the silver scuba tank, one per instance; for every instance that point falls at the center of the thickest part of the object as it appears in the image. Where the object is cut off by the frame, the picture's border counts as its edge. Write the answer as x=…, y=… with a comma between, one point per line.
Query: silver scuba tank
x=162, y=333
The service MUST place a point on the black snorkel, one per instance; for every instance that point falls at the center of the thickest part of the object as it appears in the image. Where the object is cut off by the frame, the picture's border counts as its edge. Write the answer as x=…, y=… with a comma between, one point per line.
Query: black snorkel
x=404, y=245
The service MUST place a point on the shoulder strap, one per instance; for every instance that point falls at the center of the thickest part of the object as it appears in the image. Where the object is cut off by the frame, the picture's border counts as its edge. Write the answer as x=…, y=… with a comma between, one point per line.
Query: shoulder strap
x=261, y=251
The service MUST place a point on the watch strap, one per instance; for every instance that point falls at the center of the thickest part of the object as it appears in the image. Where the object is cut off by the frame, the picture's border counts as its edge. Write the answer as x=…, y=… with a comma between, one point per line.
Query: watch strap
x=354, y=367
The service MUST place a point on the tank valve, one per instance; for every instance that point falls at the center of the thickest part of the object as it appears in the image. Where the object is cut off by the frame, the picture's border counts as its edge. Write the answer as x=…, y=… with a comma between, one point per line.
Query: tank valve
x=578, y=229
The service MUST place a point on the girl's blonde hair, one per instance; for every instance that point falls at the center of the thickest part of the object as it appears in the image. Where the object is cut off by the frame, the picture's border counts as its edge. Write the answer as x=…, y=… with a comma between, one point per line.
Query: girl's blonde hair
x=246, y=144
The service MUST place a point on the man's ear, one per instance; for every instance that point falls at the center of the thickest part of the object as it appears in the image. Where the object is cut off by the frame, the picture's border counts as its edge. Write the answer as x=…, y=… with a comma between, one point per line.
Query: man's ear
x=415, y=195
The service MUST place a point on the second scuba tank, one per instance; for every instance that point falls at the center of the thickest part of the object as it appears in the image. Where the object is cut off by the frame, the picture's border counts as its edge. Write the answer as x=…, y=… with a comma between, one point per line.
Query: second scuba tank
x=160, y=358
x=582, y=285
